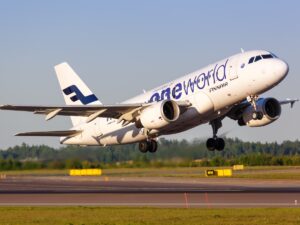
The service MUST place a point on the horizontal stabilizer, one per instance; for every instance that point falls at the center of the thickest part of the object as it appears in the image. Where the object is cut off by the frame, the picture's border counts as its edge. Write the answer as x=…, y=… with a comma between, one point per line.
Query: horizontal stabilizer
x=60, y=133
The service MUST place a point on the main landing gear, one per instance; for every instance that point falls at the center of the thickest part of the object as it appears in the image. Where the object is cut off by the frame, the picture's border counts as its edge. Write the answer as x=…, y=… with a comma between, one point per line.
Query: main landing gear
x=148, y=146
x=215, y=143
x=256, y=115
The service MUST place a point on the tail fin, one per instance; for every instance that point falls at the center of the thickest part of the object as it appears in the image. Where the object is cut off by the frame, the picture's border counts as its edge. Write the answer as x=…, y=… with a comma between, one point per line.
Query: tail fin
x=74, y=90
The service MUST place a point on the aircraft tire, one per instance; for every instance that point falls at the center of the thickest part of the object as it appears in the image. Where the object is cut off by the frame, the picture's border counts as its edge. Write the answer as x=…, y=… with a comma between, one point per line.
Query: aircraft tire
x=143, y=146
x=220, y=144
x=153, y=146
x=211, y=144
x=260, y=115
x=257, y=115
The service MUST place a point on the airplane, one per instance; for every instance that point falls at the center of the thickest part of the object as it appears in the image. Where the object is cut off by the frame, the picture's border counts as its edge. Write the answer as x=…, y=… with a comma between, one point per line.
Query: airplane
x=228, y=88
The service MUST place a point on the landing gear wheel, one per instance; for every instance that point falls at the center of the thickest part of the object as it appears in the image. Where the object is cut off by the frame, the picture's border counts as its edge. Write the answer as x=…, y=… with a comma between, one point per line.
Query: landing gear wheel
x=143, y=146
x=257, y=115
x=215, y=144
x=210, y=144
x=260, y=115
x=241, y=122
x=220, y=144
x=153, y=146
x=148, y=146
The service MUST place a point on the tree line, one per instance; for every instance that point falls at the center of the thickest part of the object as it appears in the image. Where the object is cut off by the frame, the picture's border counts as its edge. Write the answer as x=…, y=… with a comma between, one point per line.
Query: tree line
x=170, y=153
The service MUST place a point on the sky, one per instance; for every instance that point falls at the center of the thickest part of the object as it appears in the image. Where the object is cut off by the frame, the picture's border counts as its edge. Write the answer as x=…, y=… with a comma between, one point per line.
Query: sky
x=120, y=48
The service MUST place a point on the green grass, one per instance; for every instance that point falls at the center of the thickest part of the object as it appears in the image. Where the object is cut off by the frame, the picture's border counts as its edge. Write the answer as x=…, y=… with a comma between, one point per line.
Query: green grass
x=144, y=216
x=37, y=172
x=265, y=172
x=261, y=172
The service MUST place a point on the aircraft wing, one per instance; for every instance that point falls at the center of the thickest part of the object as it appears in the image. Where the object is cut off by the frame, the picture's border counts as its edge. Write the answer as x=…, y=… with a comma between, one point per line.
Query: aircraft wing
x=123, y=112
x=238, y=109
x=289, y=101
x=60, y=133
x=111, y=111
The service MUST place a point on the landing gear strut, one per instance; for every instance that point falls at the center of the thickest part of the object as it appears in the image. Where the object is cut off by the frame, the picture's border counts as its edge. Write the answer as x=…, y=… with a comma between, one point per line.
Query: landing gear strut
x=256, y=115
x=215, y=143
x=148, y=146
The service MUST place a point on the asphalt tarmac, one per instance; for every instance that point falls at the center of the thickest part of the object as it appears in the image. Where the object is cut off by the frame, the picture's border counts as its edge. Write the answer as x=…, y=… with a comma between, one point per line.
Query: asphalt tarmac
x=157, y=192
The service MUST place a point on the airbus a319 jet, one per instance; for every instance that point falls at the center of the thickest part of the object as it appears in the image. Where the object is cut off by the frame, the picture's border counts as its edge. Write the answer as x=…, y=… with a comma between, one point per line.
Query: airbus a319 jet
x=227, y=88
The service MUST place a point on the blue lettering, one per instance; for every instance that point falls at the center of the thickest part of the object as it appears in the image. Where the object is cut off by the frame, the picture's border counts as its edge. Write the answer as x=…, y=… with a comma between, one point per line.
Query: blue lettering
x=166, y=93
x=214, y=74
x=188, y=85
x=221, y=72
x=201, y=81
x=177, y=91
x=218, y=73
x=155, y=98
x=209, y=75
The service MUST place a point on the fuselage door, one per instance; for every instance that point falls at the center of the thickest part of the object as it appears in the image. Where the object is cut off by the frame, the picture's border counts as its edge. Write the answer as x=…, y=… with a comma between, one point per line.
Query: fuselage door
x=233, y=68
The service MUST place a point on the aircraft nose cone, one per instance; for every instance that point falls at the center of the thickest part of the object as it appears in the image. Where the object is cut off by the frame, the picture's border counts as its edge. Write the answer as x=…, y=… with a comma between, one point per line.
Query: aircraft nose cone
x=282, y=69
x=278, y=71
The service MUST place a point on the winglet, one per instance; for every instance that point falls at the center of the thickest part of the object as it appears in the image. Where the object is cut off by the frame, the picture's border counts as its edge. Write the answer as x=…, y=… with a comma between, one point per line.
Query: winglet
x=289, y=101
x=293, y=102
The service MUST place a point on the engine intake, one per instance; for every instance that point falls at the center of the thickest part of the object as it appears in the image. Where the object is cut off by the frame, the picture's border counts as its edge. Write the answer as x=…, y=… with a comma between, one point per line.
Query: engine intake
x=159, y=115
x=270, y=108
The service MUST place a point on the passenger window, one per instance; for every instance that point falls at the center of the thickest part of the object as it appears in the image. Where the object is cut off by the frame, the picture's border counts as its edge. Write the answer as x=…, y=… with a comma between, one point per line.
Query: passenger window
x=268, y=56
x=251, y=60
x=257, y=58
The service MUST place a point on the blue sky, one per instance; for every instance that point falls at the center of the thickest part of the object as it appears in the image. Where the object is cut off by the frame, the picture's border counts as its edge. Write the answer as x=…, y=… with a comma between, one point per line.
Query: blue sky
x=120, y=48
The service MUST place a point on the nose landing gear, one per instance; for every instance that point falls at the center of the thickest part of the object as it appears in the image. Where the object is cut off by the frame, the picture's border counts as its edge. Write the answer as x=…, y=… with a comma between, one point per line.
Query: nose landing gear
x=148, y=146
x=215, y=143
x=256, y=115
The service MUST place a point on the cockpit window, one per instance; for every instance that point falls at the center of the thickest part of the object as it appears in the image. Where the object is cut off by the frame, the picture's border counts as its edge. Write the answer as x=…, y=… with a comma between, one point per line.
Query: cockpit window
x=251, y=60
x=274, y=56
x=268, y=56
x=257, y=58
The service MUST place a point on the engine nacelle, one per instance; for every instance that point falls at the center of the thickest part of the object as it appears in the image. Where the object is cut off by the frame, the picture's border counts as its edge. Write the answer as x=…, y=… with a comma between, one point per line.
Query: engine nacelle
x=270, y=108
x=159, y=115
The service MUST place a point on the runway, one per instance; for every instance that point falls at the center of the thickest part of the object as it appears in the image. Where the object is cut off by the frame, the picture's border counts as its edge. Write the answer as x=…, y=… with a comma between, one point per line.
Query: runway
x=137, y=191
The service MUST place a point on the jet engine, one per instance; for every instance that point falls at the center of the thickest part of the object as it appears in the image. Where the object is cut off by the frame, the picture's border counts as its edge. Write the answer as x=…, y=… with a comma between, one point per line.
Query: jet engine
x=158, y=115
x=270, y=109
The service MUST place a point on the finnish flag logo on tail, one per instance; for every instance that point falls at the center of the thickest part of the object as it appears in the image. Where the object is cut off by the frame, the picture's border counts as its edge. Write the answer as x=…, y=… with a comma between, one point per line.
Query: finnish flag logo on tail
x=79, y=96
x=74, y=90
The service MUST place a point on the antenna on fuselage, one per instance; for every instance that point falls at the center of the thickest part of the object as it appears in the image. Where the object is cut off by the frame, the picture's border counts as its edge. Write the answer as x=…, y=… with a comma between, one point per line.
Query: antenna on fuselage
x=242, y=50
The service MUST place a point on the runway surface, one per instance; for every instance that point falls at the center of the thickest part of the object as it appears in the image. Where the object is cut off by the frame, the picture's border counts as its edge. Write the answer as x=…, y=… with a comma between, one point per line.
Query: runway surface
x=158, y=192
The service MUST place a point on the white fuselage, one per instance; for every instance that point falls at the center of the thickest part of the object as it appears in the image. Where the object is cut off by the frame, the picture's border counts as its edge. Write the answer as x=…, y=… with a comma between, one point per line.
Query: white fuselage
x=212, y=91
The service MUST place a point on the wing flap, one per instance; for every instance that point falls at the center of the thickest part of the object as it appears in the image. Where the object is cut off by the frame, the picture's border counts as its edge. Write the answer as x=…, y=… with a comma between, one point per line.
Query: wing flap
x=59, y=133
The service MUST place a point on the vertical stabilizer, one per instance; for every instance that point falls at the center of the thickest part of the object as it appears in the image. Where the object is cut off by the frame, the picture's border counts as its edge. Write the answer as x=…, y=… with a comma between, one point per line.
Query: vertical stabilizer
x=74, y=90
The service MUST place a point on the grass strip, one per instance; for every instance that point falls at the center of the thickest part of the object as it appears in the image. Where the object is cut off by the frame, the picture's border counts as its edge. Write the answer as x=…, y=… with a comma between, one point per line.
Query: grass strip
x=145, y=216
